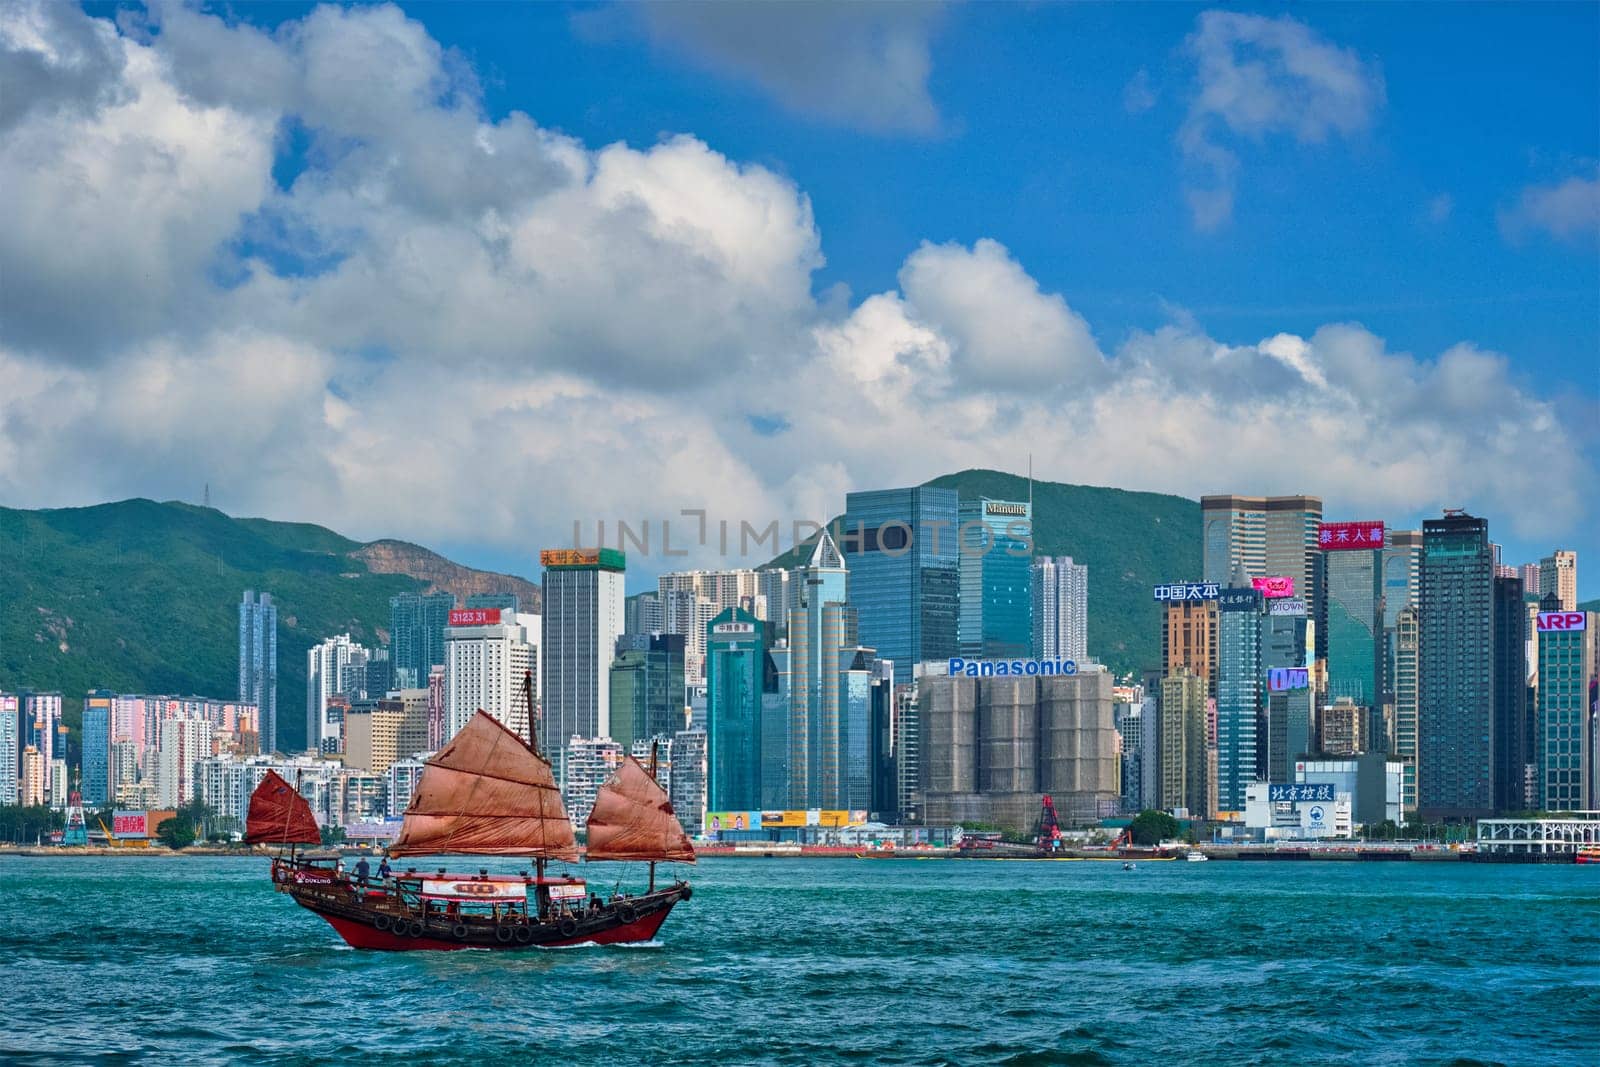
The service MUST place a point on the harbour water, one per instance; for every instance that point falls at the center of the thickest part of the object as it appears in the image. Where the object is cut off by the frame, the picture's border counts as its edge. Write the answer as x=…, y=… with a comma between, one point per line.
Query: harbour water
x=197, y=960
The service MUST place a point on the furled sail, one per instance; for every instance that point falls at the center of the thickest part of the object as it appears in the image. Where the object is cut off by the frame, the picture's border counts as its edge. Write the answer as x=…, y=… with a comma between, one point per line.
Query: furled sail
x=632, y=819
x=279, y=815
x=486, y=794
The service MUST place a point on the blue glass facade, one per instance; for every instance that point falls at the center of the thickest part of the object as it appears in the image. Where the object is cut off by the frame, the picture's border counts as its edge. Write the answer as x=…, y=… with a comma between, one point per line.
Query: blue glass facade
x=96, y=782
x=735, y=669
x=995, y=619
x=1240, y=681
x=901, y=548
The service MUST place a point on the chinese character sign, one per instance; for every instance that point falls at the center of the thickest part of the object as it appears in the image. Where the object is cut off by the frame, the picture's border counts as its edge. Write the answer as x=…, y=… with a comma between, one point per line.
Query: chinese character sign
x=1187, y=591
x=1318, y=793
x=1333, y=536
x=1282, y=679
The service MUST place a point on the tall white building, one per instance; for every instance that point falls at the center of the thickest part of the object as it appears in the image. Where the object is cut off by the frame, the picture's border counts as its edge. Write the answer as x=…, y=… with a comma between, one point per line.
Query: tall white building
x=583, y=617
x=331, y=667
x=1558, y=574
x=40, y=721
x=58, y=784
x=484, y=667
x=10, y=748
x=184, y=743
x=1060, y=608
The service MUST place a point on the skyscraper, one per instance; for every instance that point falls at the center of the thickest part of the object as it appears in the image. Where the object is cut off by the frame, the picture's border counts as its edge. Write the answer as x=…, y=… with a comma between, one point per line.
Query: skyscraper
x=184, y=743
x=1293, y=525
x=487, y=665
x=258, y=662
x=10, y=747
x=1456, y=728
x=1184, y=740
x=902, y=549
x=95, y=772
x=417, y=623
x=647, y=688
x=331, y=668
x=736, y=655
x=993, y=569
x=1558, y=575
x=1512, y=729
x=1288, y=642
x=1189, y=639
x=1240, y=679
x=1354, y=619
x=1060, y=608
x=1406, y=697
x=691, y=599
x=1233, y=532
x=583, y=617
x=1566, y=756
x=41, y=720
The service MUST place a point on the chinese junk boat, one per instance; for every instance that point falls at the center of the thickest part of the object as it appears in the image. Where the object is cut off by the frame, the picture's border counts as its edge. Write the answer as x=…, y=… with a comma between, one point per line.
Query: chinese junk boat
x=487, y=793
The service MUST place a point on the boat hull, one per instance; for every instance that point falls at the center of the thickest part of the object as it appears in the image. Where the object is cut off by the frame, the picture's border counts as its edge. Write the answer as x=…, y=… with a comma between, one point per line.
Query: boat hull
x=367, y=926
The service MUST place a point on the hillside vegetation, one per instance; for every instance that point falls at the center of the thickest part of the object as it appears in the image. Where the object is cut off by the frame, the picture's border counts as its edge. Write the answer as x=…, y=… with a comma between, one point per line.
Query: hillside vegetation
x=141, y=596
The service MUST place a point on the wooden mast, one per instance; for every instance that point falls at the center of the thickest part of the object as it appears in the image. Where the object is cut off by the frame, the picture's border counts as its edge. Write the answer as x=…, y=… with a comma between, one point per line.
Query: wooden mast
x=652, y=768
x=533, y=743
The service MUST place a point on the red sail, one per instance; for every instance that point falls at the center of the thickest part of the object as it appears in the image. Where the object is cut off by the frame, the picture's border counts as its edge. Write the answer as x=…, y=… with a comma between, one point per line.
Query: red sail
x=632, y=819
x=280, y=816
x=486, y=794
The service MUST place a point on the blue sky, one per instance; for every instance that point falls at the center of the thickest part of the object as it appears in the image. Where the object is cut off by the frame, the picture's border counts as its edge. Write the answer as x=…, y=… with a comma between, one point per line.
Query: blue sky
x=1348, y=249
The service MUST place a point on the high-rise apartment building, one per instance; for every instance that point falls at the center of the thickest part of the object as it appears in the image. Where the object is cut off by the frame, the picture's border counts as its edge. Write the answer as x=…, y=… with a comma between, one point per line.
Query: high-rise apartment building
x=10, y=747
x=417, y=623
x=647, y=687
x=774, y=584
x=487, y=666
x=372, y=736
x=31, y=791
x=996, y=548
x=1566, y=738
x=41, y=723
x=688, y=790
x=642, y=614
x=1558, y=576
x=258, y=663
x=332, y=667
x=901, y=546
x=1531, y=583
x=1184, y=742
x=1456, y=728
x=691, y=599
x=95, y=784
x=184, y=743
x=1240, y=681
x=1513, y=730
x=583, y=617
x=589, y=762
x=1060, y=608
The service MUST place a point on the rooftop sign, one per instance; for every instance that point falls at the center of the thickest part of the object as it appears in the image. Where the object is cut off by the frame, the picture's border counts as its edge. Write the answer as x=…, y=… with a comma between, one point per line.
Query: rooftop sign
x=1187, y=591
x=1282, y=679
x=1010, y=668
x=1276, y=586
x=1547, y=621
x=1342, y=535
x=606, y=558
x=1320, y=792
x=475, y=617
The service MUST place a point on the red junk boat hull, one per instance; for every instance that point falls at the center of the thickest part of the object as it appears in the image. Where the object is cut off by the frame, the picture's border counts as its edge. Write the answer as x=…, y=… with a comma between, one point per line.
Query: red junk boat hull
x=378, y=919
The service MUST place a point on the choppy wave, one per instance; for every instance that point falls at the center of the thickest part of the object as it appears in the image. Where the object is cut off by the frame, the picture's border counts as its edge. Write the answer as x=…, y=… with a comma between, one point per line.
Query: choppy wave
x=832, y=961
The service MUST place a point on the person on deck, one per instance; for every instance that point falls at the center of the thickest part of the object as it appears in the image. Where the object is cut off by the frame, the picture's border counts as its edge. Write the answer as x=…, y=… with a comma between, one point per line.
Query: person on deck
x=384, y=871
x=363, y=872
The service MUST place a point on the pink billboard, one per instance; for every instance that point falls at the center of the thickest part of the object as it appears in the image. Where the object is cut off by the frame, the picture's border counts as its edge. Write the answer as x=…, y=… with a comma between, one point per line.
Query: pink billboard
x=1339, y=535
x=1275, y=586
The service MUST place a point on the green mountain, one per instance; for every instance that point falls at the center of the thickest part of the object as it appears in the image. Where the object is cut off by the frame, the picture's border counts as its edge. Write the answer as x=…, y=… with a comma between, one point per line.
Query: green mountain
x=140, y=596
x=1130, y=541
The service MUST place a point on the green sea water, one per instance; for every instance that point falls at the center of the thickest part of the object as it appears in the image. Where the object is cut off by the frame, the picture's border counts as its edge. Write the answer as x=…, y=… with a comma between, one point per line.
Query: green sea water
x=194, y=960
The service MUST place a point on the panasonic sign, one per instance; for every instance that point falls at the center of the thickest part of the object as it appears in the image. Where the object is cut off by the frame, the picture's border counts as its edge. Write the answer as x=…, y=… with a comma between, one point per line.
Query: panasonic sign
x=1010, y=668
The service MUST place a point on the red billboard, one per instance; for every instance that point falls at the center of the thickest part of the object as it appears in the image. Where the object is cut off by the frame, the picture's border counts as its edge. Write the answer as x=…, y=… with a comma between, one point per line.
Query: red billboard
x=129, y=824
x=1275, y=586
x=475, y=617
x=1339, y=535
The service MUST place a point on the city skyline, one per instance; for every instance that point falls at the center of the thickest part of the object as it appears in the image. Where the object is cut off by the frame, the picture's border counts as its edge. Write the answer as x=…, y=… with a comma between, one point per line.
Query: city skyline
x=949, y=293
